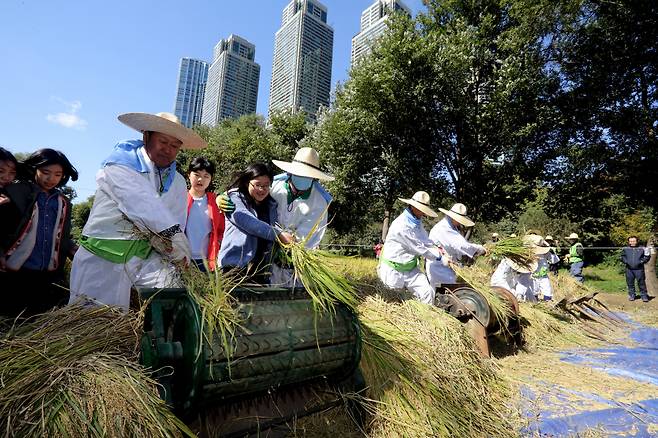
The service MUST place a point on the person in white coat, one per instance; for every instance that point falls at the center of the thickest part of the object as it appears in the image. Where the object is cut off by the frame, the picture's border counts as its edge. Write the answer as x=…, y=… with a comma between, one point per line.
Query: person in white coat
x=517, y=278
x=542, y=284
x=447, y=234
x=302, y=203
x=134, y=233
x=406, y=242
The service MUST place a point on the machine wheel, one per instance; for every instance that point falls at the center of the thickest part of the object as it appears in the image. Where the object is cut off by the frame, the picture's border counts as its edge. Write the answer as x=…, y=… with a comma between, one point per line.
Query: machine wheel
x=476, y=303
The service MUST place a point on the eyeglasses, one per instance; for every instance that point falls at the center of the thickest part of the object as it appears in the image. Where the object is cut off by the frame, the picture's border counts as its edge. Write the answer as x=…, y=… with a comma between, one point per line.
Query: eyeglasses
x=260, y=187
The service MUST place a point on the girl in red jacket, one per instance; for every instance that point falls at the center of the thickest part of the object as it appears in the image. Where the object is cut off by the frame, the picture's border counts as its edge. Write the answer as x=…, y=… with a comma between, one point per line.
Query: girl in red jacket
x=205, y=223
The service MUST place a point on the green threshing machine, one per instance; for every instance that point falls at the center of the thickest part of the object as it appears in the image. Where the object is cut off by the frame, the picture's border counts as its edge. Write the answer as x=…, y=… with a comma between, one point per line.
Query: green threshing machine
x=287, y=360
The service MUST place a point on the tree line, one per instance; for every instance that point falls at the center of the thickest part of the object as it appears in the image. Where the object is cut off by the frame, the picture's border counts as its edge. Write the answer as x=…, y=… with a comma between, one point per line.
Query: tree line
x=534, y=113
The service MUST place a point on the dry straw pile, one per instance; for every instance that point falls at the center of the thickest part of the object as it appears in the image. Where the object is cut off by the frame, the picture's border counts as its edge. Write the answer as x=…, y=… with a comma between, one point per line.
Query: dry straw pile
x=72, y=372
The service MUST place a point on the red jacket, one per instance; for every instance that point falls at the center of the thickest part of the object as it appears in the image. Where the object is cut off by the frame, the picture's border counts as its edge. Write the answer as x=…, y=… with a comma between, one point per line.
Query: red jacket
x=216, y=227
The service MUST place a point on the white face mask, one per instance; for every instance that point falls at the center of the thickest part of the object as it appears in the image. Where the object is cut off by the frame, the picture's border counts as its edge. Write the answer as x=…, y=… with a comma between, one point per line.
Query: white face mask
x=301, y=183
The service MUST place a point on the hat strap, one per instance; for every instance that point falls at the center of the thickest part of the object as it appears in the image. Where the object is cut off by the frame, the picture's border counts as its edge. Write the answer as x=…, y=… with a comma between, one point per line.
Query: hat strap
x=308, y=164
x=420, y=202
x=459, y=214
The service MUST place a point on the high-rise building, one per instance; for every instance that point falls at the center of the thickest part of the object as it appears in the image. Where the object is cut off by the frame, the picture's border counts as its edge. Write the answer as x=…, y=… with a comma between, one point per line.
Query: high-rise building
x=303, y=52
x=373, y=25
x=232, y=87
x=192, y=75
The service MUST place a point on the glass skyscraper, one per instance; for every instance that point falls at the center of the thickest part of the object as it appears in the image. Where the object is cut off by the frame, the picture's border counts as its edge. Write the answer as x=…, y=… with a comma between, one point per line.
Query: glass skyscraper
x=373, y=25
x=232, y=87
x=192, y=75
x=303, y=52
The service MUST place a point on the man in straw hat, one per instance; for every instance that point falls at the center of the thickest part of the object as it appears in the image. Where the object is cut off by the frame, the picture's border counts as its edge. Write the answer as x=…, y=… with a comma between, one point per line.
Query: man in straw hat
x=541, y=282
x=554, y=257
x=302, y=203
x=517, y=278
x=447, y=234
x=135, y=228
x=575, y=257
x=406, y=242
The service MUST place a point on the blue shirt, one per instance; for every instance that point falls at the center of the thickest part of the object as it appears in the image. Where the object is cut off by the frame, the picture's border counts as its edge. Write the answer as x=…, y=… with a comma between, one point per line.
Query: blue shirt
x=198, y=228
x=43, y=246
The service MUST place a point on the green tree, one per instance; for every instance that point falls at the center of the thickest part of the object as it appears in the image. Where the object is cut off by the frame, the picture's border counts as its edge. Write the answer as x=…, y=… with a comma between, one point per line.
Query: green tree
x=79, y=215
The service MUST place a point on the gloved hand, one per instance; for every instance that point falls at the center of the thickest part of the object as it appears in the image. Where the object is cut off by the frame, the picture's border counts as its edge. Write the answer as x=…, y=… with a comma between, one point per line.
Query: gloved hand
x=225, y=204
x=445, y=259
x=180, y=248
x=481, y=250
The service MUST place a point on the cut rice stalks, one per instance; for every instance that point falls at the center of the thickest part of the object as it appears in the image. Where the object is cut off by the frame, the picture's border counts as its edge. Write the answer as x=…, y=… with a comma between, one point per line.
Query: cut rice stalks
x=73, y=372
x=425, y=377
x=512, y=248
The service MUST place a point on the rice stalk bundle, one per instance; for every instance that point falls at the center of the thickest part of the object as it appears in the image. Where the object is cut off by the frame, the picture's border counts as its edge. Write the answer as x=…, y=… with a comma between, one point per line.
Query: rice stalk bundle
x=512, y=248
x=318, y=273
x=547, y=327
x=220, y=312
x=73, y=372
x=425, y=377
x=565, y=286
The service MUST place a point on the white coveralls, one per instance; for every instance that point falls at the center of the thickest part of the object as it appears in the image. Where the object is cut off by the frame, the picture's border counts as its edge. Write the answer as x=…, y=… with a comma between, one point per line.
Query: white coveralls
x=450, y=239
x=127, y=199
x=542, y=284
x=299, y=217
x=407, y=240
x=520, y=284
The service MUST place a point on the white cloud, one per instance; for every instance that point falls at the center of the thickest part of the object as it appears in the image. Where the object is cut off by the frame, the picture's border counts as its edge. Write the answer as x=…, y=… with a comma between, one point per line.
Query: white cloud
x=68, y=119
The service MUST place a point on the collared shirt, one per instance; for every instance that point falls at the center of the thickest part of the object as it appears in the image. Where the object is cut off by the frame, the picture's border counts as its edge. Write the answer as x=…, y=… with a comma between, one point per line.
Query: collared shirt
x=40, y=257
x=407, y=239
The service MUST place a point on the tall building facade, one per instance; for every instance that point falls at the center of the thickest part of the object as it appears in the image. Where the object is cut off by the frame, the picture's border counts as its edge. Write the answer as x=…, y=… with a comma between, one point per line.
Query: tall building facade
x=232, y=87
x=192, y=76
x=303, y=53
x=373, y=25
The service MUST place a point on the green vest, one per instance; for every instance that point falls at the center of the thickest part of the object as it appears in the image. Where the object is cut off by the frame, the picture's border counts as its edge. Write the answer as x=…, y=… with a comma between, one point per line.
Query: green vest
x=573, y=253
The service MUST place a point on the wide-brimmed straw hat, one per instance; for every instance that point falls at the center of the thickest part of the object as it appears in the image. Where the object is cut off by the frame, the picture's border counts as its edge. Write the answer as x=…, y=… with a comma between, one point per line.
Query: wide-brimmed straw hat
x=306, y=163
x=421, y=200
x=537, y=243
x=165, y=123
x=494, y=234
x=548, y=237
x=572, y=236
x=522, y=268
x=458, y=213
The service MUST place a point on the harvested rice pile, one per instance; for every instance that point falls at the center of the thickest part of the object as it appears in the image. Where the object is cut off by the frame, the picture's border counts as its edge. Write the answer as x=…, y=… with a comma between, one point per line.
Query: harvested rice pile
x=73, y=372
x=425, y=377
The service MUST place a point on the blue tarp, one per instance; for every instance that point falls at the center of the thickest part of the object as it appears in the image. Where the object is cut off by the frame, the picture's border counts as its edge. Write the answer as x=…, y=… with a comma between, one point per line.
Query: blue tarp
x=640, y=419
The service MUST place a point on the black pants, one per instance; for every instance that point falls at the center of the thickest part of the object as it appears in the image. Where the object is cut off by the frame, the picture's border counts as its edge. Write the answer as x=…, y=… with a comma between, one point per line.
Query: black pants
x=631, y=276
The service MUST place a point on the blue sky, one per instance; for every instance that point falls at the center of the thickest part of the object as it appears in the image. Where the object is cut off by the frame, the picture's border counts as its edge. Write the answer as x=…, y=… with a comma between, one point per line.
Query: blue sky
x=71, y=66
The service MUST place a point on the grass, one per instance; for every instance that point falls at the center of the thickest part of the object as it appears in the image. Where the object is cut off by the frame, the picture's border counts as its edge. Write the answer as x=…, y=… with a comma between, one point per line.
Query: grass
x=605, y=278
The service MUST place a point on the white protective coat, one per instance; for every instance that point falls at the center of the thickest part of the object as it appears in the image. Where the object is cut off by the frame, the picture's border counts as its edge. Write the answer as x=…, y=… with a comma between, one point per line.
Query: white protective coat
x=450, y=239
x=541, y=282
x=406, y=240
x=125, y=200
x=520, y=284
x=298, y=217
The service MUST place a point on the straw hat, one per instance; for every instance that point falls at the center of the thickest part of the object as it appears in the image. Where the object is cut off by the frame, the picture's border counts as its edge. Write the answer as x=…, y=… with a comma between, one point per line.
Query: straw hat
x=458, y=213
x=494, y=234
x=421, y=200
x=537, y=243
x=521, y=268
x=512, y=235
x=548, y=237
x=165, y=123
x=573, y=236
x=306, y=163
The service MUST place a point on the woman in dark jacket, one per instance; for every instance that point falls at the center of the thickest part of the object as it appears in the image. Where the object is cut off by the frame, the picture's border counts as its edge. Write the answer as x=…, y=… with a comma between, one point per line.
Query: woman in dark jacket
x=38, y=248
x=247, y=244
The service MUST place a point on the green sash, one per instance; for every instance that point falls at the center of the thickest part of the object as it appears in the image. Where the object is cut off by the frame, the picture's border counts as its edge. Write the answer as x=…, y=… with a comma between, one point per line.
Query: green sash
x=115, y=250
x=401, y=267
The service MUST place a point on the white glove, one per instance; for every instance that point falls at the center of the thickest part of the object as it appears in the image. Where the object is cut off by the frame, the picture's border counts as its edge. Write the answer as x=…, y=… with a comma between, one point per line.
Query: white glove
x=445, y=259
x=180, y=248
x=481, y=250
